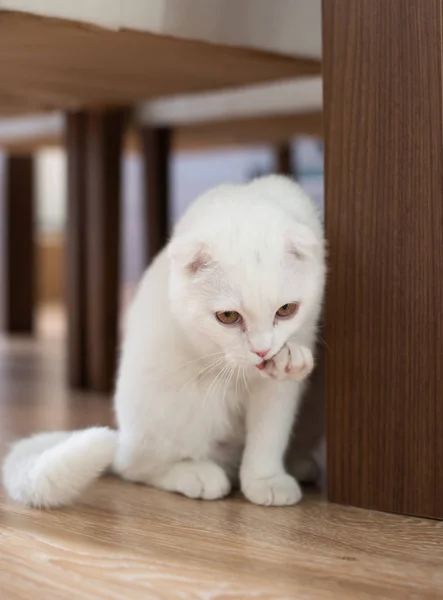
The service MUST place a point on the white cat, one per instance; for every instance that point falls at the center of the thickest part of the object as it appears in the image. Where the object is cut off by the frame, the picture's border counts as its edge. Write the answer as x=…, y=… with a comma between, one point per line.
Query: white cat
x=218, y=341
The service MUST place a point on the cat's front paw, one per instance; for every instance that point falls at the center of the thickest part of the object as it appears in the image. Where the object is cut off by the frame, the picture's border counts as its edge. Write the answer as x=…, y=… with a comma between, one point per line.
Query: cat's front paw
x=280, y=490
x=292, y=362
x=196, y=479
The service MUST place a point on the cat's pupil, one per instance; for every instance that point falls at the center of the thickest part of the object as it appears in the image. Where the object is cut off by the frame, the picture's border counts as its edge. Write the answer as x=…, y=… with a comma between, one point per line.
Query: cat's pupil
x=228, y=313
x=285, y=306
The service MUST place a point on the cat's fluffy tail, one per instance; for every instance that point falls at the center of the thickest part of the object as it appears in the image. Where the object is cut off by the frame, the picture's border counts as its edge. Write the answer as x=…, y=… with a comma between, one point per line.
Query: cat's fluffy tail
x=52, y=469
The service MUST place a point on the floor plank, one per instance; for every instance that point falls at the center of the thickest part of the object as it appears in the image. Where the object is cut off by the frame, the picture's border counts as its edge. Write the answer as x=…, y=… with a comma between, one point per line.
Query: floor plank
x=128, y=541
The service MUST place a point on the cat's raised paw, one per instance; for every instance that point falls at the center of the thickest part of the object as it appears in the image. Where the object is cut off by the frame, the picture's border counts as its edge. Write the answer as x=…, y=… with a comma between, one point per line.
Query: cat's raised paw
x=197, y=479
x=292, y=362
x=280, y=490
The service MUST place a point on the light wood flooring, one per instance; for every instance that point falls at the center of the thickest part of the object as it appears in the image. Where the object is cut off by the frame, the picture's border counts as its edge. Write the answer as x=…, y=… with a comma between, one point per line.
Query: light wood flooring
x=124, y=541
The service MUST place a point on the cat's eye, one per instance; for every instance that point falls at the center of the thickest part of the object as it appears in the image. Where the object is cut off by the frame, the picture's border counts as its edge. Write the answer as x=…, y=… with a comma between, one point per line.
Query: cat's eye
x=228, y=317
x=287, y=310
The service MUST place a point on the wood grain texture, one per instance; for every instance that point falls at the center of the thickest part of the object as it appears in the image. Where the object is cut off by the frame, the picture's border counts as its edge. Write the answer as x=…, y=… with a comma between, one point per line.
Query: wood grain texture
x=103, y=182
x=156, y=145
x=51, y=63
x=384, y=215
x=17, y=251
x=129, y=541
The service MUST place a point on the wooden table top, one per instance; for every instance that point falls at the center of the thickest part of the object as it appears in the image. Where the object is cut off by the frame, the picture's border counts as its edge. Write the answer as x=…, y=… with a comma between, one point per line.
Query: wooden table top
x=48, y=64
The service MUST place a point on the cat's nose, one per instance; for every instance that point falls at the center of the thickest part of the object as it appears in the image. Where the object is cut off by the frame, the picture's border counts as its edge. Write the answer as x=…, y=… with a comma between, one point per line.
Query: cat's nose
x=261, y=353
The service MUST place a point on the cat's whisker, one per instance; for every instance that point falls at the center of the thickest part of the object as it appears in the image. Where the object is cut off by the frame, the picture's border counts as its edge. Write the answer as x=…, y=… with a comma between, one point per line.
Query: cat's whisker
x=245, y=381
x=204, y=356
x=205, y=370
x=323, y=341
x=236, y=381
x=227, y=382
x=224, y=377
x=217, y=379
x=184, y=365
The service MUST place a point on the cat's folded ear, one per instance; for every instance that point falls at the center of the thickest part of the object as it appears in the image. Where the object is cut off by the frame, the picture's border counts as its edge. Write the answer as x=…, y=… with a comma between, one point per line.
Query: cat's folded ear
x=189, y=254
x=301, y=241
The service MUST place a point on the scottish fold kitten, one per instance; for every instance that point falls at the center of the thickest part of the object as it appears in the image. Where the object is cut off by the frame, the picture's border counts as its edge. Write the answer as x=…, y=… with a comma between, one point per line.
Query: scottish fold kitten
x=218, y=345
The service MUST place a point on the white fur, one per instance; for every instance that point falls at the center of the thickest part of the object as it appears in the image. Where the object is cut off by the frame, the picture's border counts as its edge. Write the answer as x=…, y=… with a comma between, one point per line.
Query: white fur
x=193, y=411
x=52, y=469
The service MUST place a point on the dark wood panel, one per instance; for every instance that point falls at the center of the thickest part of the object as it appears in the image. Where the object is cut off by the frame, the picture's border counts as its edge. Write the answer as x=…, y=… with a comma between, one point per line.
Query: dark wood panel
x=156, y=145
x=76, y=249
x=17, y=251
x=103, y=179
x=384, y=216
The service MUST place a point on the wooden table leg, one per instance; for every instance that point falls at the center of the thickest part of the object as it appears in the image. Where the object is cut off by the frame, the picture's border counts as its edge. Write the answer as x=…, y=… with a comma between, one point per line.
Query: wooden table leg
x=103, y=183
x=382, y=66
x=76, y=250
x=283, y=158
x=17, y=247
x=94, y=173
x=156, y=144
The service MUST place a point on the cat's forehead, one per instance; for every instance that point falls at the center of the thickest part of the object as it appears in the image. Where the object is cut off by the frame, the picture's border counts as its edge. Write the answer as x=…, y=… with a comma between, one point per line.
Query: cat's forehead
x=237, y=210
x=252, y=258
x=255, y=284
x=257, y=240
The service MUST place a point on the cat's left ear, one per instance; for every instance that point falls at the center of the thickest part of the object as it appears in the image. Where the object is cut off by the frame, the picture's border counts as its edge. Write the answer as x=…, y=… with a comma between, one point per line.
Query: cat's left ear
x=189, y=254
x=301, y=241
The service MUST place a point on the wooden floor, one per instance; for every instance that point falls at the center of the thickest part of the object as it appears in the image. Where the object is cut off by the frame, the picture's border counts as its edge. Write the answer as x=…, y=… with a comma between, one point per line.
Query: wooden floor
x=123, y=541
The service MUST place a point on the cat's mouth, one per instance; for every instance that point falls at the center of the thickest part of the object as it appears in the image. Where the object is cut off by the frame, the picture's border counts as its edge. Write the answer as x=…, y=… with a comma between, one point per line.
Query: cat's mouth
x=245, y=361
x=261, y=365
x=250, y=361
